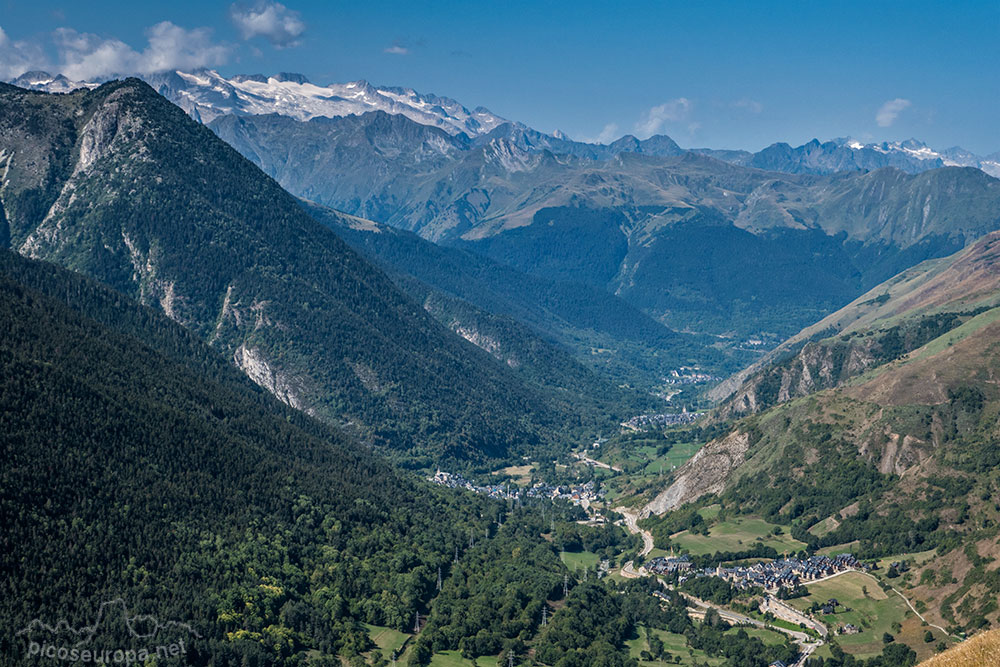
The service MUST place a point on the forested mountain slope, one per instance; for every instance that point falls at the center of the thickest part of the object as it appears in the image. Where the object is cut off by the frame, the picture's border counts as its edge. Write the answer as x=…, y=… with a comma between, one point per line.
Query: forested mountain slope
x=601, y=330
x=147, y=481
x=139, y=464
x=122, y=185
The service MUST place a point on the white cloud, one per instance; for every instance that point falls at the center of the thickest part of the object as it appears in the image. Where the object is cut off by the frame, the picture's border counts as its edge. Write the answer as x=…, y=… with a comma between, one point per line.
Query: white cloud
x=753, y=106
x=889, y=111
x=653, y=120
x=608, y=134
x=16, y=58
x=85, y=56
x=271, y=20
x=396, y=49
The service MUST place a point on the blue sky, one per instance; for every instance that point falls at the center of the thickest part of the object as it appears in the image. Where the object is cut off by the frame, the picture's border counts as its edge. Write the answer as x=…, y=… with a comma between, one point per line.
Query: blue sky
x=716, y=74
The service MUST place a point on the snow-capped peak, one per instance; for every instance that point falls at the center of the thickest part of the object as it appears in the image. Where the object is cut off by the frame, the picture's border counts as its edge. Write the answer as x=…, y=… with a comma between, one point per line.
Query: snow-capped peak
x=52, y=83
x=206, y=94
x=914, y=149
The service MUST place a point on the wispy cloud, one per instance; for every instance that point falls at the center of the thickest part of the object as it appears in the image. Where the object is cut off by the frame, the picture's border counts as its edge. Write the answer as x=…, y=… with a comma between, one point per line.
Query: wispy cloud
x=397, y=48
x=272, y=20
x=653, y=120
x=84, y=56
x=747, y=104
x=17, y=57
x=607, y=134
x=889, y=111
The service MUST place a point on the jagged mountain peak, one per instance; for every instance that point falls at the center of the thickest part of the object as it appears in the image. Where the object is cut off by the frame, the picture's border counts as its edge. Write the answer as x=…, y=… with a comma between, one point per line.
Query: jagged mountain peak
x=205, y=94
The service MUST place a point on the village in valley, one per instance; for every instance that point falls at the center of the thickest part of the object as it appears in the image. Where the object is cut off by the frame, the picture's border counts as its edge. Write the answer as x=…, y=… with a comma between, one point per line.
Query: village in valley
x=777, y=586
x=771, y=576
x=581, y=494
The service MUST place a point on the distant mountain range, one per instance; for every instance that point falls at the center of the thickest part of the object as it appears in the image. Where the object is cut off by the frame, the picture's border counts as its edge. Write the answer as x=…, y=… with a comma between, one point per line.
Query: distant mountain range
x=698, y=243
x=704, y=241
x=207, y=95
x=846, y=154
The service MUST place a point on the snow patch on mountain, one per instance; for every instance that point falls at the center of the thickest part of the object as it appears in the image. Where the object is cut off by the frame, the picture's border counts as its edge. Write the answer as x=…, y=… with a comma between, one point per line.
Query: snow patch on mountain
x=206, y=95
x=917, y=150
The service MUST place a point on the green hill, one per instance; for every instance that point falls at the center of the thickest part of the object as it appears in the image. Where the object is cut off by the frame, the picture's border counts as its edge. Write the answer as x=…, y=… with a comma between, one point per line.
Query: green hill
x=899, y=454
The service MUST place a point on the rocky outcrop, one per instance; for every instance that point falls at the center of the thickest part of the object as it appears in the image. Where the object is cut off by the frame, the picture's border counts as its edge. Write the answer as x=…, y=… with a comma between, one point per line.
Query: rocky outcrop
x=815, y=367
x=285, y=387
x=707, y=472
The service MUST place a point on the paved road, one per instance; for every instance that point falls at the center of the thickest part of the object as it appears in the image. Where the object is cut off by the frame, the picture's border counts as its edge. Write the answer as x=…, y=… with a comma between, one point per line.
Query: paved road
x=600, y=464
x=807, y=643
x=792, y=615
x=631, y=523
x=740, y=619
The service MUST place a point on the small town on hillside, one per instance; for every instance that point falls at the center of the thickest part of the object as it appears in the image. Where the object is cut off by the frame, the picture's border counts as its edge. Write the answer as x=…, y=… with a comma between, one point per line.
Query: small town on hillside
x=582, y=494
x=646, y=422
x=783, y=573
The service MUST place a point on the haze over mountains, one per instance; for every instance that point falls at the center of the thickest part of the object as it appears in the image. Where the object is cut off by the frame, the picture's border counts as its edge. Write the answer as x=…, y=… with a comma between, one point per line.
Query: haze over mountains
x=460, y=290
x=627, y=218
x=699, y=244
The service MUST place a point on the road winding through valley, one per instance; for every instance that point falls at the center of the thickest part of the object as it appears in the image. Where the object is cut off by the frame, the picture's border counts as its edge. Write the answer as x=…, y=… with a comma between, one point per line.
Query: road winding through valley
x=807, y=643
x=632, y=524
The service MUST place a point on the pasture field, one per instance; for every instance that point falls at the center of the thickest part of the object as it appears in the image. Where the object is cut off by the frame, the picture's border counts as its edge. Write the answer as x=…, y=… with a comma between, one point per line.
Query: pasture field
x=387, y=639
x=455, y=659
x=675, y=645
x=868, y=607
x=769, y=637
x=737, y=535
x=578, y=560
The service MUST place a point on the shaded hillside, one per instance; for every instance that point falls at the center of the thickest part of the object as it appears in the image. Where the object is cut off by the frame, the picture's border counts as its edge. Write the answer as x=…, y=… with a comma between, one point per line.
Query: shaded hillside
x=120, y=184
x=698, y=243
x=139, y=464
x=891, y=320
x=601, y=330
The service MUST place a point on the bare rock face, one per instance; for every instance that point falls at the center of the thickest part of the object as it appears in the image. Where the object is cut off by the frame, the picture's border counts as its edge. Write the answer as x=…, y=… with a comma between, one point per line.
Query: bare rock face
x=707, y=472
x=815, y=367
x=252, y=362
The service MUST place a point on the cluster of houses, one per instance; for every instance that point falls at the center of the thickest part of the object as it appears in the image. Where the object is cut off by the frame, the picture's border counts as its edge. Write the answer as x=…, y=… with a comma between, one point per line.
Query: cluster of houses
x=456, y=481
x=645, y=422
x=669, y=565
x=688, y=375
x=771, y=576
x=583, y=494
